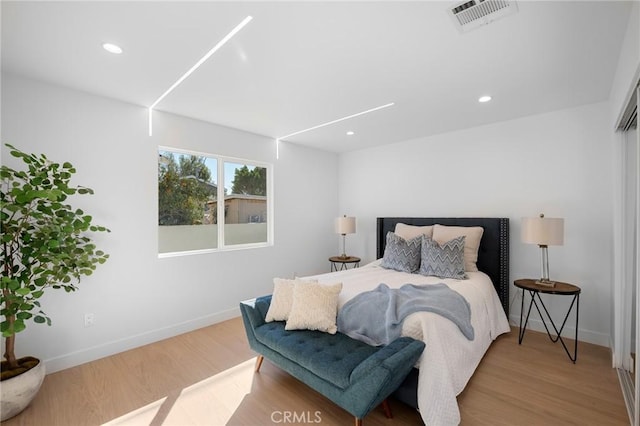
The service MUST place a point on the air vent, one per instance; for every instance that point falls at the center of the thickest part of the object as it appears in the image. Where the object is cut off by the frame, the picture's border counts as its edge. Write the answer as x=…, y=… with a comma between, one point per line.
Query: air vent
x=472, y=14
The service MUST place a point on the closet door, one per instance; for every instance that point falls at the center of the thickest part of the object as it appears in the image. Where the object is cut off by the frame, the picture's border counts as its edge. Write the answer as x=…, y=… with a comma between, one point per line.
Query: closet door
x=631, y=259
x=635, y=267
x=627, y=258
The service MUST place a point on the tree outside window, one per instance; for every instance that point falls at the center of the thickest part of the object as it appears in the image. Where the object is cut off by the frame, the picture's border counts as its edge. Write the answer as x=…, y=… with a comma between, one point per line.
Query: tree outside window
x=185, y=190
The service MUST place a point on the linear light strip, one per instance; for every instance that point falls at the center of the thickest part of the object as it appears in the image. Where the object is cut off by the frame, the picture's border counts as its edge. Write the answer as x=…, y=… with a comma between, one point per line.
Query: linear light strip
x=221, y=43
x=150, y=122
x=335, y=121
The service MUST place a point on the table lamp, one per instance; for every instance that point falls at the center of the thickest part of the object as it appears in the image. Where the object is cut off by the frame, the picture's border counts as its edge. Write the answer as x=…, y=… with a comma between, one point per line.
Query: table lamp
x=345, y=225
x=543, y=231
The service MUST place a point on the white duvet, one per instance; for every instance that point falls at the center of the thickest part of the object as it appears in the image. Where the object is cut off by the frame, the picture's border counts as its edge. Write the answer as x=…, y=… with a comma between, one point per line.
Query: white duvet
x=449, y=359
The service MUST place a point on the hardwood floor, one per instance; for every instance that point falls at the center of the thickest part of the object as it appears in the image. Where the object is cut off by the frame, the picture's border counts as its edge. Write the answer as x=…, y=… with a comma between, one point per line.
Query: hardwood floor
x=206, y=378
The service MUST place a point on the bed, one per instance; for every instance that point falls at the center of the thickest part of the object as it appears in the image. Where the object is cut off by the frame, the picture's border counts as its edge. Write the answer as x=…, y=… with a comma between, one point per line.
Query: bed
x=449, y=359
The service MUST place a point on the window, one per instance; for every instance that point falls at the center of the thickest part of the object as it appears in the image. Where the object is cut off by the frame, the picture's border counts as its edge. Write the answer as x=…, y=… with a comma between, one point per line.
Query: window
x=190, y=198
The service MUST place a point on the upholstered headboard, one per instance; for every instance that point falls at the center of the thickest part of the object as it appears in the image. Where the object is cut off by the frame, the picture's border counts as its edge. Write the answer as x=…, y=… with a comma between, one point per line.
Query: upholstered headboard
x=493, y=255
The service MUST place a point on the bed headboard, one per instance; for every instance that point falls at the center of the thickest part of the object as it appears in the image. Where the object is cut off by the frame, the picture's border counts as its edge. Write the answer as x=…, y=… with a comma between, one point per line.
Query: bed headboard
x=493, y=255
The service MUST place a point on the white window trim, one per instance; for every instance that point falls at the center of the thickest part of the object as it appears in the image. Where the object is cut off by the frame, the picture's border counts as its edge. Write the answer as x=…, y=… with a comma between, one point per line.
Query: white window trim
x=221, y=159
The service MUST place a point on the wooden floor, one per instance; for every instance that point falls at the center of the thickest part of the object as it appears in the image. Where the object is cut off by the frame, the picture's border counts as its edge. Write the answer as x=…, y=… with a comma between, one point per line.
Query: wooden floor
x=206, y=378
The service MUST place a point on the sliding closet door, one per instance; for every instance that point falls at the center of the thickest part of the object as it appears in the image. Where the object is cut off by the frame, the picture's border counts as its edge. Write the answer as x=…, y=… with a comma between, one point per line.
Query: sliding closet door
x=634, y=140
x=630, y=238
x=627, y=257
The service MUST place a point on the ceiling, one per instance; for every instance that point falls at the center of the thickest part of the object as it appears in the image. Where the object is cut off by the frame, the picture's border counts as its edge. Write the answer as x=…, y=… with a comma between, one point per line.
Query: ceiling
x=300, y=64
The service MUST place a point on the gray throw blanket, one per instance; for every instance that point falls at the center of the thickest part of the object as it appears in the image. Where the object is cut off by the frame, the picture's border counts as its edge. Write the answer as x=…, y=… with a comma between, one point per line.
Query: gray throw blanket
x=375, y=317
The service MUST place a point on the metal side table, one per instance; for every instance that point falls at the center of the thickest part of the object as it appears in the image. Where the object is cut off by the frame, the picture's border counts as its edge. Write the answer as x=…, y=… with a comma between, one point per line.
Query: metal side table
x=560, y=288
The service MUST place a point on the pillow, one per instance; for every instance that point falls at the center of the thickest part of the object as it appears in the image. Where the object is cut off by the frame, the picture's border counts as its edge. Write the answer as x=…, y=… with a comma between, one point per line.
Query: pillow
x=410, y=231
x=315, y=307
x=400, y=254
x=443, y=261
x=281, y=299
x=473, y=234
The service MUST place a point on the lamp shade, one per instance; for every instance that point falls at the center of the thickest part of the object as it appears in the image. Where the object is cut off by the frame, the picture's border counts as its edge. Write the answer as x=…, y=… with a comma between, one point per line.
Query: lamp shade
x=544, y=231
x=345, y=225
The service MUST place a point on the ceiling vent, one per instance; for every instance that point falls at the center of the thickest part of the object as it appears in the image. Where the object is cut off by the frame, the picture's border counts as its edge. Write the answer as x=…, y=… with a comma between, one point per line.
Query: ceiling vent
x=473, y=14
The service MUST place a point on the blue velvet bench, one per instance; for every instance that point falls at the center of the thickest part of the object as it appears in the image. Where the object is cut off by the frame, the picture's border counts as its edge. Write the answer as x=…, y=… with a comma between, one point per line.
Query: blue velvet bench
x=354, y=375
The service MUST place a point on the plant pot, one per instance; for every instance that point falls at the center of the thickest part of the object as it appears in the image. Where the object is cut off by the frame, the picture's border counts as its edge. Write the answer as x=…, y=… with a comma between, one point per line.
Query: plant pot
x=17, y=392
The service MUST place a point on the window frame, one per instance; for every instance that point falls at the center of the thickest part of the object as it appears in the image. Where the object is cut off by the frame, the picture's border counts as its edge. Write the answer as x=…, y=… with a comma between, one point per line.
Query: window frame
x=220, y=203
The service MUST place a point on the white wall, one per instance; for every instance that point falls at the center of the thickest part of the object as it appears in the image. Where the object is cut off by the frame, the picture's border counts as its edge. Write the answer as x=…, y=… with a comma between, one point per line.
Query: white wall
x=136, y=297
x=628, y=68
x=557, y=163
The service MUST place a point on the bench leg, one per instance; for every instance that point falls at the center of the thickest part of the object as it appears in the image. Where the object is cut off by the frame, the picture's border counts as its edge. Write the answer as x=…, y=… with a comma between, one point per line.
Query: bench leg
x=387, y=409
x=259, y=363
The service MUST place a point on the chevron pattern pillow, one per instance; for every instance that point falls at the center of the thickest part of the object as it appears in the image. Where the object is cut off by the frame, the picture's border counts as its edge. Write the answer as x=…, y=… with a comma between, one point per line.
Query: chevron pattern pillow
x=443, y=261
x=400, y=254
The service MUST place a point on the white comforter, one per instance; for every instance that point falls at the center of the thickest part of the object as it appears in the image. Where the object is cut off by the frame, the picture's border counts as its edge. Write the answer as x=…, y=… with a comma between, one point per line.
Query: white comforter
x=449, y=359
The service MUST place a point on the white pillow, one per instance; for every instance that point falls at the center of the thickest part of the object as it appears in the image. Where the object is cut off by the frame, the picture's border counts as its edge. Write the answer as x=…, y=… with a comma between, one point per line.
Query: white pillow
x=315, y=307
x=281, y=299
x=409, y=232
x=472, y=234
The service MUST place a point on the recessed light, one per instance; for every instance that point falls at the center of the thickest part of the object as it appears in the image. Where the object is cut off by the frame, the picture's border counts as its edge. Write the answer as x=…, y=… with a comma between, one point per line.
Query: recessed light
x=112, y=48
x=350, y=133
x=484, y=99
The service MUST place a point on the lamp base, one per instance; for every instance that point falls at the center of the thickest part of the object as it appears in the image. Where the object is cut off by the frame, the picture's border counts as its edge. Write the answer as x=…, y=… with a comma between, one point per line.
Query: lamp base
x=545, y=282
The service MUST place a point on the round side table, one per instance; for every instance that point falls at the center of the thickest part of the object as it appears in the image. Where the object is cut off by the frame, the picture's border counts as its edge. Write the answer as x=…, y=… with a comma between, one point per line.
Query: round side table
x=343, y=262
x=562, y=289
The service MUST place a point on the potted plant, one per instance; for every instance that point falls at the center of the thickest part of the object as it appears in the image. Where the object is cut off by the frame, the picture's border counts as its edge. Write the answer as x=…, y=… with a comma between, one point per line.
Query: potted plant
x=45, y=244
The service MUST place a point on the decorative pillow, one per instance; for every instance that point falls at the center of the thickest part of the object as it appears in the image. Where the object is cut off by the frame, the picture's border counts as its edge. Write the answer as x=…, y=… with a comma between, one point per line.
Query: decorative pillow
x=443, y=261
x=473, y=234
x=281, y=299
x=400, y=254
x=315, y=307
x=411, y=231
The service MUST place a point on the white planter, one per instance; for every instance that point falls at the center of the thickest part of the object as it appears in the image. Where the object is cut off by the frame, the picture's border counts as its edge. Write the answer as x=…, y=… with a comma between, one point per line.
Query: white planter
x=17, y=392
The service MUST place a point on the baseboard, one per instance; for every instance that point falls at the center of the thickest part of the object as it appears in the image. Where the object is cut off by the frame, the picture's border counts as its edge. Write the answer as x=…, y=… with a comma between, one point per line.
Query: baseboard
x=110, y=348
x=597, y=338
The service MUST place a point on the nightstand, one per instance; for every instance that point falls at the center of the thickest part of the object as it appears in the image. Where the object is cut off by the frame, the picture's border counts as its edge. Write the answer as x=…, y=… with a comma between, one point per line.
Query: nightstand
x=562, y=289
x=343, y=262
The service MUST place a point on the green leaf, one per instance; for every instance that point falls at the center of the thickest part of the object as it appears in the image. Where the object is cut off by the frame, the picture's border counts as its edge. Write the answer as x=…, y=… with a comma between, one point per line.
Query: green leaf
x=18, y=326
x=14, y=285
x=40, y=319
x=23, y=291
x=23, y=315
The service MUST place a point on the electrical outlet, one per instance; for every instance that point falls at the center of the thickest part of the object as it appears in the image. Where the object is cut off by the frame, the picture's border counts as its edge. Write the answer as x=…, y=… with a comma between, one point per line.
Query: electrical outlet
x=89, y=320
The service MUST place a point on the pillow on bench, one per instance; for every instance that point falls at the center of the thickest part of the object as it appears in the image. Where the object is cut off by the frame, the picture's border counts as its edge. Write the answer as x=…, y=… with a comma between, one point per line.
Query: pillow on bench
x=304, y=304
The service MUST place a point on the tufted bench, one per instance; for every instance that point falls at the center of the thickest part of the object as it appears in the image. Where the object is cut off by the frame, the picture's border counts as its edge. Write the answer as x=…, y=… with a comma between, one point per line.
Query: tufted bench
x=352, y=374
